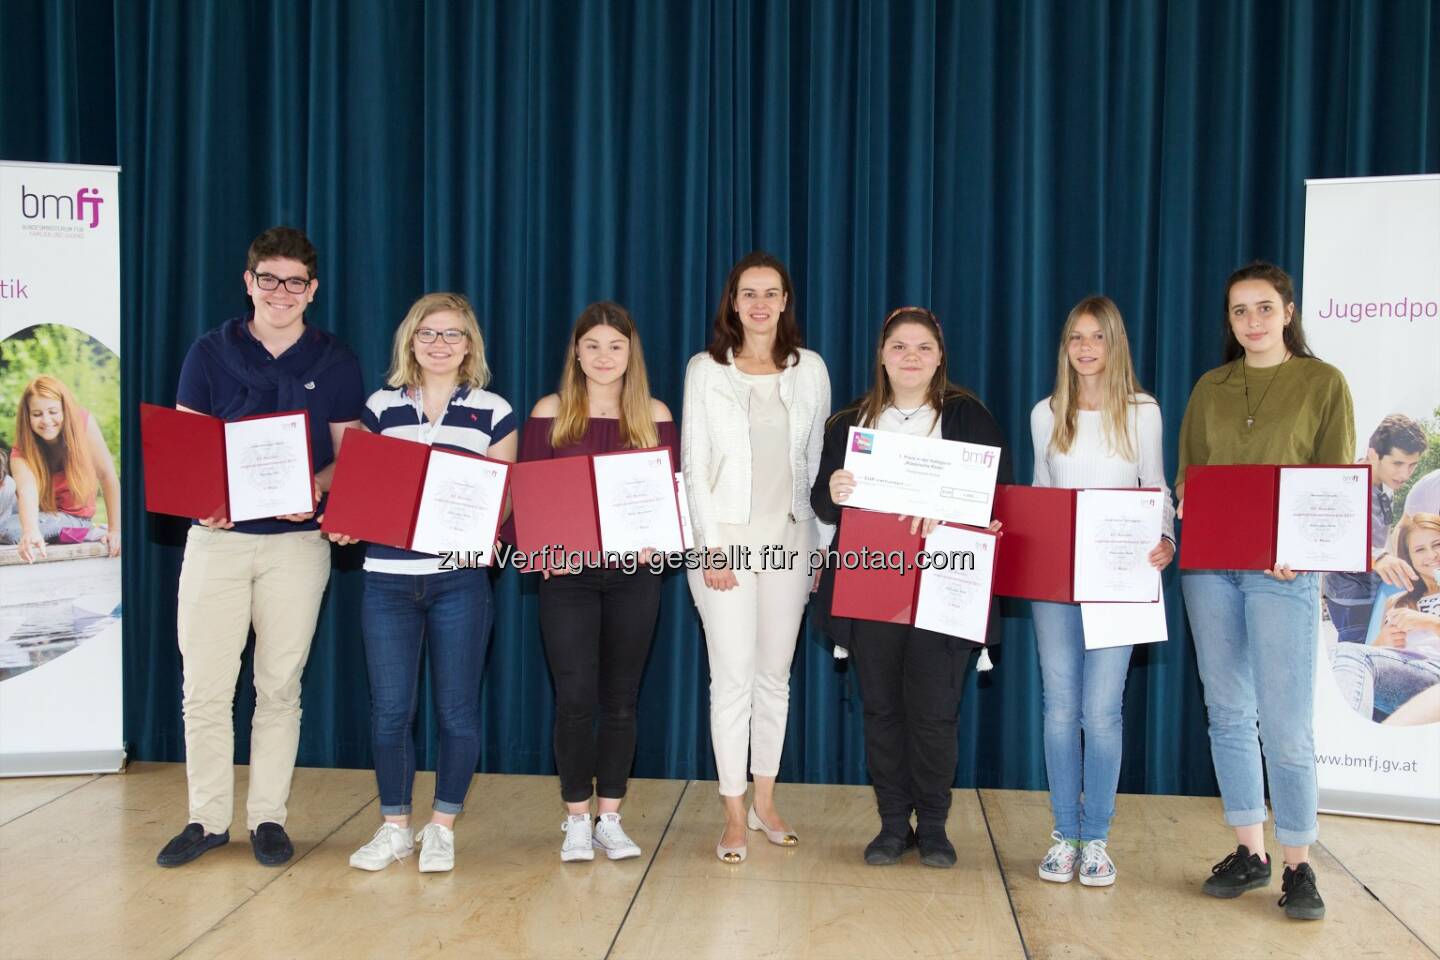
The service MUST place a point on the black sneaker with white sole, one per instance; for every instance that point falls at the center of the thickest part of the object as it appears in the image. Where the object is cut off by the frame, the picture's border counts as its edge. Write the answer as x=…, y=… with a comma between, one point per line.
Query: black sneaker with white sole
x=1300, y=897
x=1237, y=873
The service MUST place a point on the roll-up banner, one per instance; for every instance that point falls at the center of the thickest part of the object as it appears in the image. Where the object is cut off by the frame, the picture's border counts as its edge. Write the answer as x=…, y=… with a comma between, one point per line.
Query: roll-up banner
x=60, y=523
x=1372, y=308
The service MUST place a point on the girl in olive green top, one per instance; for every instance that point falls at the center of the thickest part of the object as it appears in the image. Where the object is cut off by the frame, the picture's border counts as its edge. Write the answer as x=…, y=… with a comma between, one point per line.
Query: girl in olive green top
x=1271, y=402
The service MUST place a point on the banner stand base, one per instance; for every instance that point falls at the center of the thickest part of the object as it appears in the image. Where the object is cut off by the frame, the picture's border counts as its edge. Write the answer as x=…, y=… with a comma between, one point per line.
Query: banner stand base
x=61, y=764
x=1380, y=806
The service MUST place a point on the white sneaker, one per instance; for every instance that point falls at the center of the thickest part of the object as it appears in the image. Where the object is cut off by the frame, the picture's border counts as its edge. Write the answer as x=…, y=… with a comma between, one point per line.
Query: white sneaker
x=1059, y=863
x=578, y=844
x=391, y=844
x=1096, y=867
x=437, y=849
x=610, y=837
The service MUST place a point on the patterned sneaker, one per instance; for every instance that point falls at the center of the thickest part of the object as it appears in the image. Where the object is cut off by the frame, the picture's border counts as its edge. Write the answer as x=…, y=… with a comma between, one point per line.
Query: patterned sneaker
x=610, y=837
x=391, y=844
x=1240, y=871
x=437, y=849
x=1059, y=863
x=1301, y=898
x=1096, y=867
x=579, y=843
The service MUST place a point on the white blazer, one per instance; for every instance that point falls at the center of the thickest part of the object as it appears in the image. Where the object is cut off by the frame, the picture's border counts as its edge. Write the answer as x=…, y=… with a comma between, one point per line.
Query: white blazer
x=715, y=441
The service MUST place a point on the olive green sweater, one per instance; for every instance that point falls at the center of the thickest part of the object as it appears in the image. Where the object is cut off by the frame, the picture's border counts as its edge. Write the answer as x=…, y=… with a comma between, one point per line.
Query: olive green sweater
x=1306, y=416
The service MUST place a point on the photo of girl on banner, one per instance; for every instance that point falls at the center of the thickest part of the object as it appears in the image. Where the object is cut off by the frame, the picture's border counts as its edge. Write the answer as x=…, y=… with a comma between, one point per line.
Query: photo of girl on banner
x=60, y=524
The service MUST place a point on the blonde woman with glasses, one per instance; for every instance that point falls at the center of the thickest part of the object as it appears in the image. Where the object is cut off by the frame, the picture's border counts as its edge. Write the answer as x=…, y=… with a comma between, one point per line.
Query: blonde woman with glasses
x=435, y=394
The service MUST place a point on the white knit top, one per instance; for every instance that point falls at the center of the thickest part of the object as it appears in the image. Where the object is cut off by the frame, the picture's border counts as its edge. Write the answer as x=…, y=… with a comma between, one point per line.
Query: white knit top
x=1091, y=463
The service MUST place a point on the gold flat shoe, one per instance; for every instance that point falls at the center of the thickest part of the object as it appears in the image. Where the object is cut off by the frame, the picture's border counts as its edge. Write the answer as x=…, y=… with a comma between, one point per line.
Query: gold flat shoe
x=777, y=837
x=731, y=855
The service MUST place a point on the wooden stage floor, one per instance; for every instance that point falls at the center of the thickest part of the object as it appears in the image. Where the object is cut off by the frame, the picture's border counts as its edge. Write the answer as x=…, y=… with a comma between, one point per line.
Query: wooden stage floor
x=78, y=879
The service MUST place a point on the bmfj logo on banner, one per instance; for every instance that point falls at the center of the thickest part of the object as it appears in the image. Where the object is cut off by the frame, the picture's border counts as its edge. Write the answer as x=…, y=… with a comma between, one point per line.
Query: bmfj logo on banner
x=61, y=209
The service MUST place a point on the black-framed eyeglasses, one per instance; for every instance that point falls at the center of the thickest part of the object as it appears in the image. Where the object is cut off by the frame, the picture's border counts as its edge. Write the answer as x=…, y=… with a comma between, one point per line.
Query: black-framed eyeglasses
x=268, y=281
x=452, y=337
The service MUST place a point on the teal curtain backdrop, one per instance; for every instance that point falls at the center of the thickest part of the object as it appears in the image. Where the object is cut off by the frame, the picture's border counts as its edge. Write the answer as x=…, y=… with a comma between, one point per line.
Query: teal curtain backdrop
x=994, y=160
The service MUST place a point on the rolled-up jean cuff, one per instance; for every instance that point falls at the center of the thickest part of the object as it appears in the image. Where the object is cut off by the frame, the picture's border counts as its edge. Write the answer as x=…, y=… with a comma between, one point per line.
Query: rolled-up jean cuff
x=395, y=810
x=447, y=806
x=1297, y=838
x=1244, y=818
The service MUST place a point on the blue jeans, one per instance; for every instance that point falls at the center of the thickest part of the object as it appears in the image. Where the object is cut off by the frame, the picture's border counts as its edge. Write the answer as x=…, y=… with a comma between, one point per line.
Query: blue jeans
x=450, y=613
x=1375, y=681
x=1084, y=691
x=1255, y=642
x=1351, y=618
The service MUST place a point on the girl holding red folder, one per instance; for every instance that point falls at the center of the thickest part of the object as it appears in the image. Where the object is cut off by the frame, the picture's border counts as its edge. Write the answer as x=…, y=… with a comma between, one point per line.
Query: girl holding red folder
x=1097, y=429
x=434, y=395
x=598, y=622
x=911, y=680
x=1270, y=402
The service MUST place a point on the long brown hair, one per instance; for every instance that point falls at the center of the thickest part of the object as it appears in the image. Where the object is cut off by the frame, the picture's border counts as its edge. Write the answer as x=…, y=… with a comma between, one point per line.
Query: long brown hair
x=881, y=395
x=70, y=452
x=1409, y=524
x=1293, y=334
x=1119, y=387
x=729, y=334
x=637, y=421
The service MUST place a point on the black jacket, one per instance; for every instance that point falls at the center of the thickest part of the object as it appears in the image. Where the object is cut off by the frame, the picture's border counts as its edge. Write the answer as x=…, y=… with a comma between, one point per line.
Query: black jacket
x=963, y=418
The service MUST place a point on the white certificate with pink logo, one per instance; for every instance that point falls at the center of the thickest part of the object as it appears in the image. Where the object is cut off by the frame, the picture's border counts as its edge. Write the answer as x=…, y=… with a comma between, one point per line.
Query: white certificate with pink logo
x=636, y=496
x=1323, y=519
x=267, y=466
x=1115, y=530
x=922, y=476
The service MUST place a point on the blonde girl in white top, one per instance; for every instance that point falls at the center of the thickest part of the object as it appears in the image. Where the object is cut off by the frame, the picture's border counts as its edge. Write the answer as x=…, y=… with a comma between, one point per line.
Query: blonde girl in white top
x=1096, y=430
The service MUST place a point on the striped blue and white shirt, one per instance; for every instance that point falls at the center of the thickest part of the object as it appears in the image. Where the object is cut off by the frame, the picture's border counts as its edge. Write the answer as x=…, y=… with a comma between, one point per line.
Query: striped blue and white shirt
x=475, y=420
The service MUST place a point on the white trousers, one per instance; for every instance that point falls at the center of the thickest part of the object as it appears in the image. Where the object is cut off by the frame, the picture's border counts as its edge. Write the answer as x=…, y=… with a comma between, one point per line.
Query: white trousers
x=750, y=634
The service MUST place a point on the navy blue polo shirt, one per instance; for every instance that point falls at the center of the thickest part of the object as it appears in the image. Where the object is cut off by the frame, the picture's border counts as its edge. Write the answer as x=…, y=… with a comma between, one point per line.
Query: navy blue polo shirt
x=324, y=371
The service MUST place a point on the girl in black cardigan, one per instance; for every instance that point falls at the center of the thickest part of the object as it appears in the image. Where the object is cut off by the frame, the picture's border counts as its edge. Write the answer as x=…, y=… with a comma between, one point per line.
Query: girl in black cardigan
x=911, y=680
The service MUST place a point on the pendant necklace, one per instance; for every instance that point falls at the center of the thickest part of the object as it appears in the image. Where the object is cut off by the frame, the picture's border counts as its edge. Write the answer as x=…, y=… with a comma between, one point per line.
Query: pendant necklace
x=1249, y=413
x=905, y=417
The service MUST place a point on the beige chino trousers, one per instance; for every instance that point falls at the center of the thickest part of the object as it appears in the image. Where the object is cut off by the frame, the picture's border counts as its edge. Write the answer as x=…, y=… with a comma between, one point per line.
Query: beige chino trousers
x=228, y=582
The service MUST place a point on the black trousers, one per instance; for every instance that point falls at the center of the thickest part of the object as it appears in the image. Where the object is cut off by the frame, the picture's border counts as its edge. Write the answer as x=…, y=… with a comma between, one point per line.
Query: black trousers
x=597, y=626
x=910, y=682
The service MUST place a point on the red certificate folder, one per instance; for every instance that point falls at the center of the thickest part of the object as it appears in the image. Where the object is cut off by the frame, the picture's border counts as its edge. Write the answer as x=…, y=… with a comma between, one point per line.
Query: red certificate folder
x=1038, y=562
x=1232, y=516
x=554, y=502
x=1230, y=521
x=375, y=493
x=184, y=458
x=876, y=590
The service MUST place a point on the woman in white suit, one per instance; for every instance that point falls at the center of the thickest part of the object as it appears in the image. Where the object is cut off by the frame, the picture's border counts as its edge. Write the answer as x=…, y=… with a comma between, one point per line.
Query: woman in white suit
x=751, y=432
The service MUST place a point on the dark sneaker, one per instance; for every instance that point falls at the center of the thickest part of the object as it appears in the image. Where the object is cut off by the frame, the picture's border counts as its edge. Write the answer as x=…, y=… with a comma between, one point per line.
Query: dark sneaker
x=1300, y=898
x=936, y=849
x=271, y=845
x=189, y=844
x=1240, y=871
x=888, y=848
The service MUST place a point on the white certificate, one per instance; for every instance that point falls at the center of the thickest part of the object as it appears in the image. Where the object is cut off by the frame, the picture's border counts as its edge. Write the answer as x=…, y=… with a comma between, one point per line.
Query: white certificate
x=460, y=505
x=687, y=536
x=921, y=476
x=953, y=599
x=1115, y=530
x=267, y=467
x=635, y=493
x=1123, y=624
x=1324, y=519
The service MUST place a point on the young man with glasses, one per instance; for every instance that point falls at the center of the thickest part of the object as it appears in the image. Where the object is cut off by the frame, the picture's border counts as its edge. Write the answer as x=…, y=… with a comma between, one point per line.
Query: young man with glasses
x=267, y=573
